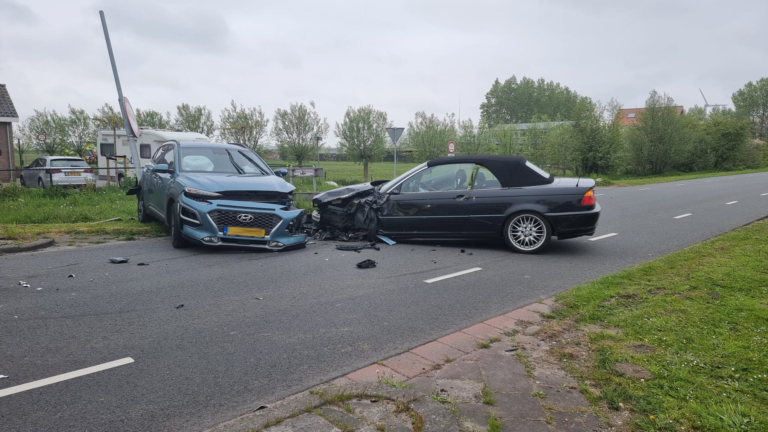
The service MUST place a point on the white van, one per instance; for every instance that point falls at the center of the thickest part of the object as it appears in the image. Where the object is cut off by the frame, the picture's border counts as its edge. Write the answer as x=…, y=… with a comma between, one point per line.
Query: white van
x=147, y=143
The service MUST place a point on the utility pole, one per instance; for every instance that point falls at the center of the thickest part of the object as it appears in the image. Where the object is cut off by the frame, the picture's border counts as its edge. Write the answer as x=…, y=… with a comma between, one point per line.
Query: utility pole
x=318, y=138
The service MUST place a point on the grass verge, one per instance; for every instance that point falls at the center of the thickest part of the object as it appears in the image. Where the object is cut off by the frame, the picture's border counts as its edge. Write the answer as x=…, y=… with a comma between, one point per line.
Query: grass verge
x=697, y=320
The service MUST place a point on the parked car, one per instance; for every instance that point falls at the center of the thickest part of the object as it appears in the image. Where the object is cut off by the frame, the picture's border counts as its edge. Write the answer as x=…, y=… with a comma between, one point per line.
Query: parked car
x=219, y=195
x=57, y=170
x=468, y=197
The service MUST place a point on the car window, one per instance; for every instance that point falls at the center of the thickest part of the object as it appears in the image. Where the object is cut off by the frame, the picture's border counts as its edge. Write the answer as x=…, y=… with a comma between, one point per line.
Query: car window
x=168, y=156
x=222, y=160
x=156, y=156
x=484, y=179
x=63, y=163
x=450, y=177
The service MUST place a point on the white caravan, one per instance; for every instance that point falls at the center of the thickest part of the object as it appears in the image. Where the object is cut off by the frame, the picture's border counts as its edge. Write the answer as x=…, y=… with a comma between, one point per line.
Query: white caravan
x=147, y=143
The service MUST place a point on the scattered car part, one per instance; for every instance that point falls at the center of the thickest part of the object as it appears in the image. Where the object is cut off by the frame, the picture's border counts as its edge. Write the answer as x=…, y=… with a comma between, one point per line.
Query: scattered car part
x=357, y=247
x=118, y=260
x=366, y=264
x=71, y=276
x=142, y=264
x=386, y=240
x=108, y=220
x=179, y=306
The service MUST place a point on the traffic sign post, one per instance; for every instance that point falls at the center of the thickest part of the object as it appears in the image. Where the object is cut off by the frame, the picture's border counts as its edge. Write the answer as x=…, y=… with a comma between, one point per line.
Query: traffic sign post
x=451, y=148
x=394, y=135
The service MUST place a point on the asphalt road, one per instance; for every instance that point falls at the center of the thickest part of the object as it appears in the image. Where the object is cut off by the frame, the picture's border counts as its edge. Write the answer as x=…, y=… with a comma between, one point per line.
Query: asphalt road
x=256, y=327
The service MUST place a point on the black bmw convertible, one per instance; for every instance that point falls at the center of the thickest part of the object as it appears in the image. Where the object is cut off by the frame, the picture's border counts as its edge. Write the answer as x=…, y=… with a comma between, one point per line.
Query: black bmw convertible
x=468, y=197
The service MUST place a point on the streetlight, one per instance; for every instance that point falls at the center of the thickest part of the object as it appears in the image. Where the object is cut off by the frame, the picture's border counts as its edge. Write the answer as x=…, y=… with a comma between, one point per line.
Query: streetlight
x=318, y=138
x=18, y=137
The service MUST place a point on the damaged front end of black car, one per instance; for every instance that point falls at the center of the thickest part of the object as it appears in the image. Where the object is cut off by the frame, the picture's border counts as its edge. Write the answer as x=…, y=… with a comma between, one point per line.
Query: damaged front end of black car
x=350, y=212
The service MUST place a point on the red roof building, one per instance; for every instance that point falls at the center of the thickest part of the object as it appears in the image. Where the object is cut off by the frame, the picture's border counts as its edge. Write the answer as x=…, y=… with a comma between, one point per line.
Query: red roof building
x=628, y=116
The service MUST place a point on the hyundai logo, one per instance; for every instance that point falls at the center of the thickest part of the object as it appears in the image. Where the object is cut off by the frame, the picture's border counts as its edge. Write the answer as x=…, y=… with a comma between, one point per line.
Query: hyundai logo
x=245, y=217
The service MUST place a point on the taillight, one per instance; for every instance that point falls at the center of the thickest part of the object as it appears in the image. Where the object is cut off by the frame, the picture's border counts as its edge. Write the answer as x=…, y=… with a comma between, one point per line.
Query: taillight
x=88, y=171
x=50, y=171
x=589, y=198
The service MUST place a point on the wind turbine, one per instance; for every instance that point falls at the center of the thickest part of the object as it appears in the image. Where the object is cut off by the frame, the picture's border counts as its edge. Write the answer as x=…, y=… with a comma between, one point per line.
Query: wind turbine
x=706, y=104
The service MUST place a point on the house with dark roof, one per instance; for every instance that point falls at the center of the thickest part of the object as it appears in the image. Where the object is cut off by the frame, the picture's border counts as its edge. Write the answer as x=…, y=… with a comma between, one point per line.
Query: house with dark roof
x=8, y=116
x=628, y=116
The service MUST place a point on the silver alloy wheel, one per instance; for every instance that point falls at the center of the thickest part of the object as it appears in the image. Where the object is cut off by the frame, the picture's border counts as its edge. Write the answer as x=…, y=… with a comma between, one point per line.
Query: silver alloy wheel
x=527, y=232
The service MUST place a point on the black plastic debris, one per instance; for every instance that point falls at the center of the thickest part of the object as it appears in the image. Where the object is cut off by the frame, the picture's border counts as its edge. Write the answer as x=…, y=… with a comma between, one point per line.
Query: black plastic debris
x=71, y=276
x=179, y=306
x=470, y=253
x=358, y=247
x=433, y=250
x=513, y=349
x=262, y=407
x=22, y=283
x=259, y=298
x=118, y=260
x=366, y=264
x=142, y=264
x=315, y=253
x=462, y=251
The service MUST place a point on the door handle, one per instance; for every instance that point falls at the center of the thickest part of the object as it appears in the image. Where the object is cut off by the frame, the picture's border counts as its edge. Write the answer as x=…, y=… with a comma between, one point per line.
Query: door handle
x=461, y=197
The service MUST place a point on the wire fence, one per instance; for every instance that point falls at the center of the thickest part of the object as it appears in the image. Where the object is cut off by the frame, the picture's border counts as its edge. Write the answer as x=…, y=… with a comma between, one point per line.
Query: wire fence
x=79, y=177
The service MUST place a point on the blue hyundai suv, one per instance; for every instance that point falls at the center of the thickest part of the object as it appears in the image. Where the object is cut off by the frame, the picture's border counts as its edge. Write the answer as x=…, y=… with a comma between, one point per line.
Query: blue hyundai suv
x=219, y=195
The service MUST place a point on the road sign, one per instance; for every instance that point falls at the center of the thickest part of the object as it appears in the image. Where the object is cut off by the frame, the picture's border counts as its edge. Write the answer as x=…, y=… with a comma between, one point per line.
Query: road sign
x=451, y=147
x=41, y=137
x=131, y=117
x=395, y=134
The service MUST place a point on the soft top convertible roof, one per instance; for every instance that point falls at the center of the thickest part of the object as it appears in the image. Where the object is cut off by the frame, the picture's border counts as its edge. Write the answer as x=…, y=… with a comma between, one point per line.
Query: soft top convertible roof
x=511, y=171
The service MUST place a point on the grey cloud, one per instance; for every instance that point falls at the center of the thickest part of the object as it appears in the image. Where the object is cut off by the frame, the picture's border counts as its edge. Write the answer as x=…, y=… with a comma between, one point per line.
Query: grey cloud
x=17, y=13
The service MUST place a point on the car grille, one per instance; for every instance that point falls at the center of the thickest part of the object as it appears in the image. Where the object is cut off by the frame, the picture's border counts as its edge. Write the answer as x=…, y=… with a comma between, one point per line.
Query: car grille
x=222, y=218
x=257, y=196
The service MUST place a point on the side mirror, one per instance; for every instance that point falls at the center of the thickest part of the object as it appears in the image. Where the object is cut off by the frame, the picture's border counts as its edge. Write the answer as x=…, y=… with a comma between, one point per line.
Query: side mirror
x=162, y=168
x=281, y=172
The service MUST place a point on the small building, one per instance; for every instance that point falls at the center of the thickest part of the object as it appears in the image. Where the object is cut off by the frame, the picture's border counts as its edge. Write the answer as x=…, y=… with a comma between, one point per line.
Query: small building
x=8, y=116
x=628, y=116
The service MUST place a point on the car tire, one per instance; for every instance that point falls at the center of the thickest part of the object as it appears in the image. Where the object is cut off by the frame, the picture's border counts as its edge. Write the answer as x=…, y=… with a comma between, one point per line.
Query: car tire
x=21, y=181
x=141, y=210
x=527, y=232
x=40, y=183
x=177, y=241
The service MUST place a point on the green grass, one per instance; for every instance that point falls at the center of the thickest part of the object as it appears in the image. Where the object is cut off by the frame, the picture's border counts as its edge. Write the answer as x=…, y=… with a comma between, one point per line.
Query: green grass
x=28, y=213
x=539, y=394
x=704, y=311
x=487, y=395
x=609, y=180
x=494, y=425
x=483, y=344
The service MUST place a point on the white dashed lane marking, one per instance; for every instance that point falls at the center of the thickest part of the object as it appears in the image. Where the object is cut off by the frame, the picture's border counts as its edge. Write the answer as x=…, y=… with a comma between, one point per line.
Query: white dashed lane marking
x=599, y=194
x=644, y=189
x=63, y=377
x=437, y=279
x=764, y=194
x=603, y=236
x=683, y=215
x=732, y=202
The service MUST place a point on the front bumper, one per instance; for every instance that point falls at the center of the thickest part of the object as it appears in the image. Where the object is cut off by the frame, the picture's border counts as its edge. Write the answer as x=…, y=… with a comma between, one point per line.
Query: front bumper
x=198, y=225
x=574, y=224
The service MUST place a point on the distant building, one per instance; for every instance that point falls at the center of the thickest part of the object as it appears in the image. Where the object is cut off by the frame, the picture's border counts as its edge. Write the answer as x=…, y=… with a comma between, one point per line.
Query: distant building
x=628, y=116
x=8, y=116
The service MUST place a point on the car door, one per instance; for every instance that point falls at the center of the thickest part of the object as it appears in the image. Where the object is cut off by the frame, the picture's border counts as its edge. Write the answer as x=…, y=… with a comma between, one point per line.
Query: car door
x=28, y=174
x=157, y=182
x=432, y=203
x=489, y=203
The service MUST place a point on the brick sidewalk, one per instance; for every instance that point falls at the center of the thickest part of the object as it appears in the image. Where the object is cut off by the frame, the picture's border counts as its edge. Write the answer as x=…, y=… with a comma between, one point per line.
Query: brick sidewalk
x=492, y=372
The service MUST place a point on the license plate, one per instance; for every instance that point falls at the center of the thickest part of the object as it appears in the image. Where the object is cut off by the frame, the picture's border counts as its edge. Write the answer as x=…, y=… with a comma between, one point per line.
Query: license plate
x=247, y=232
x=72, y=173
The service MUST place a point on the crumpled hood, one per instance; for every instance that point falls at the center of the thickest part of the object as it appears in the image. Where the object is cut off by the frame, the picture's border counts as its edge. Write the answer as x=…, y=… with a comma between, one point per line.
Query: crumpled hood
x=236, y=182
x=361, y=189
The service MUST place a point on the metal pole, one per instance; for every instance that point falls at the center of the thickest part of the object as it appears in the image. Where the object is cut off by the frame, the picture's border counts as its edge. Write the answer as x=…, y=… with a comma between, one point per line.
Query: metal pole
x=128, y=130
x=395, y=176
x=11, y=162
x=314, y=179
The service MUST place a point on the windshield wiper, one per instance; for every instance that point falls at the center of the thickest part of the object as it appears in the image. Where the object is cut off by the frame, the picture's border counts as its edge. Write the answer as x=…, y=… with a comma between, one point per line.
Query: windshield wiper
x=237, y=167
x=253, y=162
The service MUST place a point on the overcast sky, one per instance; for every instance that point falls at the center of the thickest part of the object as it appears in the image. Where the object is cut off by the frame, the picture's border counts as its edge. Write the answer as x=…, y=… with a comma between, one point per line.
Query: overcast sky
x=399, y=56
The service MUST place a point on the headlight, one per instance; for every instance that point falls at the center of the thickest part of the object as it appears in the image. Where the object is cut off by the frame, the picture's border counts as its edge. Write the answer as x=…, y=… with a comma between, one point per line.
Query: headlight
x=201, y=193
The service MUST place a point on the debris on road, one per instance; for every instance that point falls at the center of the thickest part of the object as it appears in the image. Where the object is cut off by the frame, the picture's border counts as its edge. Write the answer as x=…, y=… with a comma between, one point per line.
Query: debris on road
x=22, y=283
x=358, y=247
x=366, y=264
x=513, y=349
x=118, y=260
x=259, y=298
x=25, y=285
x=470, y=253
x=142, y=264
x=386, y=239
x=3, y=376
x=38, y=289
x=462, y=251
x=179, y=306
x=108, y=220
x=71, y=276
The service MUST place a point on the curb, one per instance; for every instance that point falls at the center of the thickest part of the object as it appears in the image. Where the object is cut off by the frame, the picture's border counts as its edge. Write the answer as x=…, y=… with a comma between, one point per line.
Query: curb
x=26, y=247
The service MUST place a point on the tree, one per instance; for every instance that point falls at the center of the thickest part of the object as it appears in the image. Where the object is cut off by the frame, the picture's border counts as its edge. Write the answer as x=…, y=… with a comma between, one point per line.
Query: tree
x=54, y=126
x=26, y=143
x=657, y=141
x=246, y=126
x=519, y=102
x=729, y=135
x=110, y=119
x=428, y=135
x=751, y=101
x=80, y=131
x=295, y=130
x=363, y=135
x=153, y=119
x=194, y=119
x=471, y=140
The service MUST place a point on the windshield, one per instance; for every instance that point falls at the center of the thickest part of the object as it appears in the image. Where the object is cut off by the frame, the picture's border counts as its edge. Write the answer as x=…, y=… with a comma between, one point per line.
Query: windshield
x=222, y=160
x=65, y=163
x=390, y=184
